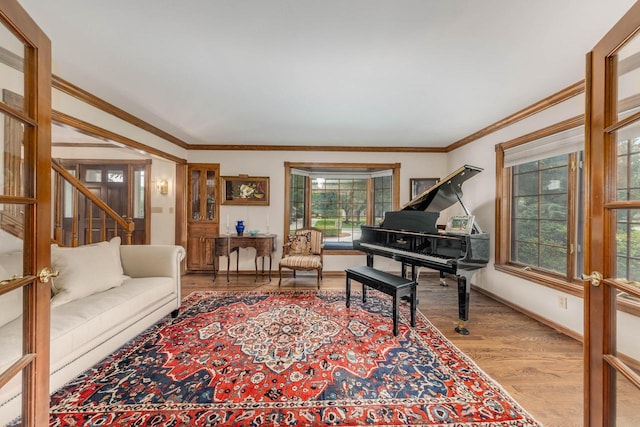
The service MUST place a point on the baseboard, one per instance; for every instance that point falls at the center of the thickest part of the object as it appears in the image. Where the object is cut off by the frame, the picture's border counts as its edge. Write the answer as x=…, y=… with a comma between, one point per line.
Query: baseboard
x=562, y=329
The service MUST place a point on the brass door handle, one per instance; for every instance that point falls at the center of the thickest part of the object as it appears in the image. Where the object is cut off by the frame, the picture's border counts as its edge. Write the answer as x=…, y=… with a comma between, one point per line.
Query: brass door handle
x=46, y=274
x=595, y=278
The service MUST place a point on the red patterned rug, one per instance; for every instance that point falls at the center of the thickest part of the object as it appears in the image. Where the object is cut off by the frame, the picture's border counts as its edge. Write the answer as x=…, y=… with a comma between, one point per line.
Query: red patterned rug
x=286, y=359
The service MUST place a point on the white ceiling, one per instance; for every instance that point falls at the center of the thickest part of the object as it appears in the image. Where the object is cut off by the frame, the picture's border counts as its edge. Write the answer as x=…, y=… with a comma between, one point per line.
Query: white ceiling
x=421, y=73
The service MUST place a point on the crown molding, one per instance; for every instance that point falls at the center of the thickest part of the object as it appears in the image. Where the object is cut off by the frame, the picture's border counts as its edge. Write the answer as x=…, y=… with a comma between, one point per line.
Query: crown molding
x=550, y=101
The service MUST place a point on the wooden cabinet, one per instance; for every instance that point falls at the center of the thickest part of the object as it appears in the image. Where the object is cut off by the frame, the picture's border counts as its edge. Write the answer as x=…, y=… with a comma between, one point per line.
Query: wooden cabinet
x=203, y=215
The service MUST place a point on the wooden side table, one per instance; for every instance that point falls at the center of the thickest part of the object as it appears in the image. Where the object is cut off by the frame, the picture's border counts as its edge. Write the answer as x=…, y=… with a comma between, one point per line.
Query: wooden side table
x=226, y=244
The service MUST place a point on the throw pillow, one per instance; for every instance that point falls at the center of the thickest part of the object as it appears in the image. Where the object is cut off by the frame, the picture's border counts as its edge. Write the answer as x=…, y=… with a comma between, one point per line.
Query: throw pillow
x=114, y=245
x=85, y=270
x=300, y=244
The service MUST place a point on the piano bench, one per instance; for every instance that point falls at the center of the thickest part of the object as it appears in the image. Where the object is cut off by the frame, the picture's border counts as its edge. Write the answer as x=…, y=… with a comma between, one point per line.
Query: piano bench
x=387, y=283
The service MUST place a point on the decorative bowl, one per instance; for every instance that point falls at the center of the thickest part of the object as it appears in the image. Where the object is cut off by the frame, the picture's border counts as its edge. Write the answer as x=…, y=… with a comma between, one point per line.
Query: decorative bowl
x=253, y=232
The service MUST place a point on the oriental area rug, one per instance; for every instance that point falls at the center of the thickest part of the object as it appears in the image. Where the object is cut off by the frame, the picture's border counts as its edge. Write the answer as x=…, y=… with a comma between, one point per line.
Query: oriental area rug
x=291, y=358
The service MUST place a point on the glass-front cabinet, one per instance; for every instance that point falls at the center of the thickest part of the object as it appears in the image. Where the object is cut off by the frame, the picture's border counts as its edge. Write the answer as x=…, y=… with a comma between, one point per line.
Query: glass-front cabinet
x=204, y=212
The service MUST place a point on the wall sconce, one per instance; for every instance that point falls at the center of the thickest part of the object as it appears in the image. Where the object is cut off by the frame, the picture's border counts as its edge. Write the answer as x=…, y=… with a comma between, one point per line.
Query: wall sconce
x=163, y=186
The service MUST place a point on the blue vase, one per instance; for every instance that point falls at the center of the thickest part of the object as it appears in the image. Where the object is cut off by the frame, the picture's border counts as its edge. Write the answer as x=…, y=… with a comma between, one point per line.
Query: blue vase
x=240, y=227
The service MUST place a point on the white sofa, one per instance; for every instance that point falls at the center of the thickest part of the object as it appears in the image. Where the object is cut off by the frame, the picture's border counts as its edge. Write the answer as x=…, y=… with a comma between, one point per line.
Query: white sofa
x=91, y=315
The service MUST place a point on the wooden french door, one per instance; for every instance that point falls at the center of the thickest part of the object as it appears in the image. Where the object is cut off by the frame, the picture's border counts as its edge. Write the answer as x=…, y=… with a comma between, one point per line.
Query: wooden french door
x=25, y=193
x=612, y=287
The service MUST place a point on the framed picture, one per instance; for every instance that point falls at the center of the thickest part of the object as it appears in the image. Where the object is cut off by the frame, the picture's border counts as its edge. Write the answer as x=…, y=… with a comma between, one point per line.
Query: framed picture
x=245, y=190
x=419, y=185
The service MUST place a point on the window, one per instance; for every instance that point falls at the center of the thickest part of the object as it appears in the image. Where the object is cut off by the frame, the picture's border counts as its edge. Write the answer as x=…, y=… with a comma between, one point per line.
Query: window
x=339, y=198
x=297, y=205
x=539, y=220
x=382, y=197
x=539, y=198
x=138, y=193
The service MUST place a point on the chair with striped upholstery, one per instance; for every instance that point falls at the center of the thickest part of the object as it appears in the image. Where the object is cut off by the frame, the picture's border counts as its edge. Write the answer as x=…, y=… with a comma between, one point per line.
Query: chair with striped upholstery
x=302, y=251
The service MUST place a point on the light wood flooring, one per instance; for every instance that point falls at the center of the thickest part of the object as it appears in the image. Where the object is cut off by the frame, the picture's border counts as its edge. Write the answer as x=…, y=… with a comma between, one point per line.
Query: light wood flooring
x=541, y=368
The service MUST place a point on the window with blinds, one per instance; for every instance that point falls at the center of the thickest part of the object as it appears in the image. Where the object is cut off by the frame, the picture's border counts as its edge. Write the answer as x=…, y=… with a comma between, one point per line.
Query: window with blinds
x=540, y=224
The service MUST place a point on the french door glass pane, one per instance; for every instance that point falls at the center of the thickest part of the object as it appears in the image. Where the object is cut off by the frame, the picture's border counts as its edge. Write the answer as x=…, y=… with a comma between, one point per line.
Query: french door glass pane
x=627, y=244
x=12, y=158
x=628, y=76
x=12, y=247
x=11, y=69
x=627, y=348
x=11, y=267
x=627, y=398
x=628, y=162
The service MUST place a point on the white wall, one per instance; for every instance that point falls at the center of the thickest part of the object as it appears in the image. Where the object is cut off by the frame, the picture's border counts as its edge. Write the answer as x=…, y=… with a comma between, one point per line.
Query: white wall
x=163, y=215
x=271, y=164
x=162, y=207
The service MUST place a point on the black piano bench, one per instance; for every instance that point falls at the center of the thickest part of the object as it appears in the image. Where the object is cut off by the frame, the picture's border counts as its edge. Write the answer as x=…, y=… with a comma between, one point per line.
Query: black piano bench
x=387, y=283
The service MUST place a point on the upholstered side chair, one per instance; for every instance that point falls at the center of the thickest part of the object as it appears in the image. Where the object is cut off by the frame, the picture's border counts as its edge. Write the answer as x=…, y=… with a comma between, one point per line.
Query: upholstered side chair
x=302, y=251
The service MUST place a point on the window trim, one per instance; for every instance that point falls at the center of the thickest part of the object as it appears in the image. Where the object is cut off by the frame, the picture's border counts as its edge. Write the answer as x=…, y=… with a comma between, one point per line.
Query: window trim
x=288, y=166
x=503, y=216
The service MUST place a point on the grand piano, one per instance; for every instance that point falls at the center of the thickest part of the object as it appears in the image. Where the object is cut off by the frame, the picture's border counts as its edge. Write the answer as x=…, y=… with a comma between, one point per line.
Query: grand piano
x=411, y=236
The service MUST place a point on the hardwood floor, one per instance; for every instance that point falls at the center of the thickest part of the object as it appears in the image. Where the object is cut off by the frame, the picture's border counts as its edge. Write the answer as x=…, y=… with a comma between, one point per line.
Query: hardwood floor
x=542, y=369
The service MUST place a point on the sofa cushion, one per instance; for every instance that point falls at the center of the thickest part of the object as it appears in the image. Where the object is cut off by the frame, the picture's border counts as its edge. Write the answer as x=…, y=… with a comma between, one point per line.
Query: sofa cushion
x=301, y=261
x=82, y=324
x=114, y=246
x=85, y=270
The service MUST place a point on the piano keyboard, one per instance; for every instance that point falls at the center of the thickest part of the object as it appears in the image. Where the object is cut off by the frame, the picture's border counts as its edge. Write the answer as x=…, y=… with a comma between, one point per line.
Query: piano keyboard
x=431, y=258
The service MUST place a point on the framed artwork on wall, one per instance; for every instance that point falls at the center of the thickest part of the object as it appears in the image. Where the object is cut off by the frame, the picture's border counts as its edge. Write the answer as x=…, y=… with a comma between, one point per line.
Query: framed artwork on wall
x=419, y=185
x=245, y=190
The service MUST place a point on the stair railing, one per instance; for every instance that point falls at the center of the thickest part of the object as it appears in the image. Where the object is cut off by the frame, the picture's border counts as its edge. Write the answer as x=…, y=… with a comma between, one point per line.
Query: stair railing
x=80, y=194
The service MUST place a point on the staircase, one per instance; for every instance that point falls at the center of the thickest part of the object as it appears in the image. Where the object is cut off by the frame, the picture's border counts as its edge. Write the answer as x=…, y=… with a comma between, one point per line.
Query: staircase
x=80, y=217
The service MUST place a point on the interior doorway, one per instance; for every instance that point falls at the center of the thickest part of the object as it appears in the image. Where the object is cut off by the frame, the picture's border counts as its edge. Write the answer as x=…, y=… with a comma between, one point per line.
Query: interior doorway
x=123, y=185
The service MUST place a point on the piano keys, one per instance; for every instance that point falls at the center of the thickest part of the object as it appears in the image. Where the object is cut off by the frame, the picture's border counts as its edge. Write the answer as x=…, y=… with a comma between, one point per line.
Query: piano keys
x=411, y=237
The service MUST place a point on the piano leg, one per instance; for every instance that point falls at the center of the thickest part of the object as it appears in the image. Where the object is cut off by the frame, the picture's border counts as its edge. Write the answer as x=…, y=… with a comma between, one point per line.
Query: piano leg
x=404, y=271
x=369, y=259
x=443, y=281
x=464, y=288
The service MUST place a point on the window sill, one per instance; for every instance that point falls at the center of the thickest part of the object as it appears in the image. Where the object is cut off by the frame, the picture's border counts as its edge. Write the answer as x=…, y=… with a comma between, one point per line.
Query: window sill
x=342, y=251
x=558, y=284
x=625, y=304
x=338, y=246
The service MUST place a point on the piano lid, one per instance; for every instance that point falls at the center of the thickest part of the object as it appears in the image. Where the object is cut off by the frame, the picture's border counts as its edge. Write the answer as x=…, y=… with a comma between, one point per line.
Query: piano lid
x=444, y=193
